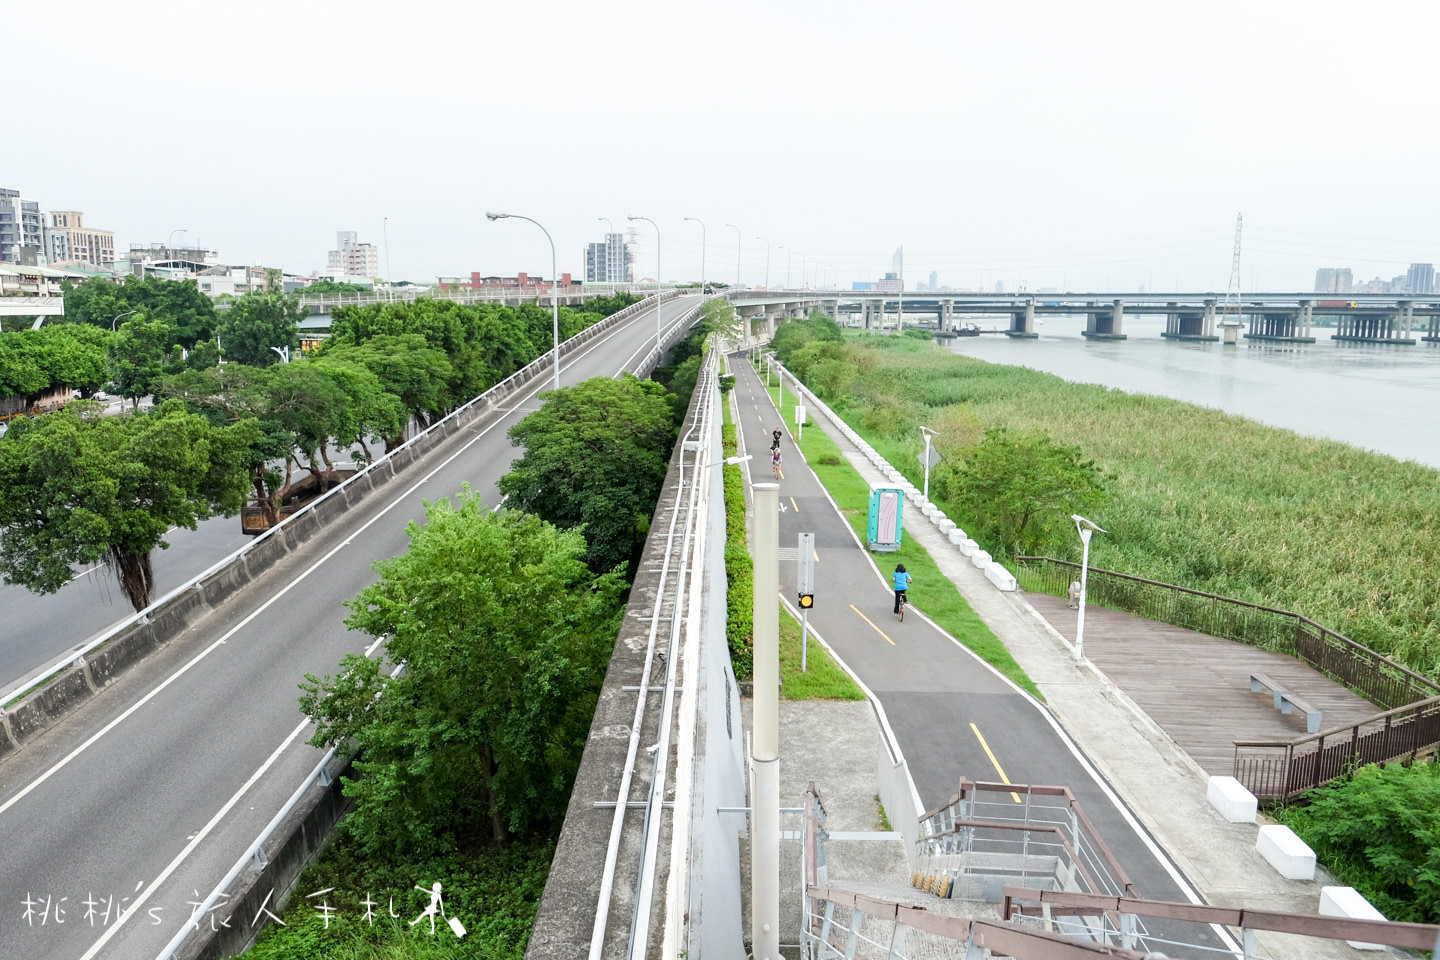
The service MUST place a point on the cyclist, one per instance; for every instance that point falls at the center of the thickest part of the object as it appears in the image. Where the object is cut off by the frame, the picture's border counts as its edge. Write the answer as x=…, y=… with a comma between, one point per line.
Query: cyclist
x=902, y=583
x=775, y=461
x=775, y=438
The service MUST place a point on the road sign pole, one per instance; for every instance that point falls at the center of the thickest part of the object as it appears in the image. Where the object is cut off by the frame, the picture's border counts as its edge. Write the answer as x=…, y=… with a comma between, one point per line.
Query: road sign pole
x=804, y=638
x=927, y=464
x=805, y=582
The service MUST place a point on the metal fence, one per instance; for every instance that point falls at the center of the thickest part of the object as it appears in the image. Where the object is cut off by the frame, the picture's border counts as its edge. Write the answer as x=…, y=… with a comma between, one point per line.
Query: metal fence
x=1372, y=675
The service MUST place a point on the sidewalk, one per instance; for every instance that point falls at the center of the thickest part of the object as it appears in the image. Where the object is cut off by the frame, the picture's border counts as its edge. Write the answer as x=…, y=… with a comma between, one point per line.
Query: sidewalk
x=1154, y=778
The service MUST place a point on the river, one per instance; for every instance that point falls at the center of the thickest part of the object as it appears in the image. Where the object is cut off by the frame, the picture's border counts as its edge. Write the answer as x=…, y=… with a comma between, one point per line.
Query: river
x=1382, y=398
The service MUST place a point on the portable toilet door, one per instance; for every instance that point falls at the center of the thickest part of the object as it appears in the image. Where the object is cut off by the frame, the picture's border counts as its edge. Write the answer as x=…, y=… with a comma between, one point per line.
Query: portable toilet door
x=886, y=524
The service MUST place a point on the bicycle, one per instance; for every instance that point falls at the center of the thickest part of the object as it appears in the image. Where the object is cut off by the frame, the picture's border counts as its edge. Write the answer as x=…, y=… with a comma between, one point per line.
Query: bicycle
x=900, y=607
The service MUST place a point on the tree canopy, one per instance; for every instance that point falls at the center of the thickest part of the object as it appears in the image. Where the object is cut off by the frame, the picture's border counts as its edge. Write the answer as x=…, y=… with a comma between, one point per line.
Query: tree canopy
x=81, y=487
x=595, y=456
x=180, y=303
x=1018, y=489
x=59, y=355
x=256, y=323
x=505, y=636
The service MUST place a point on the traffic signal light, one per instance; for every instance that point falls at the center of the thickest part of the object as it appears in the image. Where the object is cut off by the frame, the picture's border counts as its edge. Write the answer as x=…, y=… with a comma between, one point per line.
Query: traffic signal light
x=807, y=600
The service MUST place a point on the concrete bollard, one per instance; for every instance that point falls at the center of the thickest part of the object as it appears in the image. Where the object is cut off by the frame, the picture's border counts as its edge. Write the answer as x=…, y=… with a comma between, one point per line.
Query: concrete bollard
x=968, y=547
x=980, y=558
x=1348, y=902
x=1002, y=578
x=1229, y=796
x=944, y=523
x=1286, y=852
x=957, y=536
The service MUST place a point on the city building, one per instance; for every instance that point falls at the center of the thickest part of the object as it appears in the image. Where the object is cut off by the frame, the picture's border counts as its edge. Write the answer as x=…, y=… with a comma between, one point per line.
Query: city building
x=934, y=280
x=1333, y=280
x=1420, y=279
x=897, y=262
x=608, y=262
x=68, y=240
x=354, y=259
x=890, y=283
x=21, y=227
x=519, y=282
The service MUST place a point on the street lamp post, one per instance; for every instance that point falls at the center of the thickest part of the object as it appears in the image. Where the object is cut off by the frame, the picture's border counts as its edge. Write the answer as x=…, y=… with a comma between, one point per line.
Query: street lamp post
x=554, y=287
x=737, y=253
x=389, y=276
x=657, y=280
x=118, y=316
x=926, y=492
x=767, y=261
x=787, y=266
x=1085, y=529
x=702, y=251
x=170, y=245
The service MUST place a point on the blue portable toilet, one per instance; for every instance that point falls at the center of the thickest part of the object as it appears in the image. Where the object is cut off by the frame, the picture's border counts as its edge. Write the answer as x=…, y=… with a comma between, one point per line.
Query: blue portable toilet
x=886, y=526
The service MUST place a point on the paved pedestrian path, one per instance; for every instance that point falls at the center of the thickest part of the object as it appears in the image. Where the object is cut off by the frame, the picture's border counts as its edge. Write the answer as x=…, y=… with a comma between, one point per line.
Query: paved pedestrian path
x=1154, y=777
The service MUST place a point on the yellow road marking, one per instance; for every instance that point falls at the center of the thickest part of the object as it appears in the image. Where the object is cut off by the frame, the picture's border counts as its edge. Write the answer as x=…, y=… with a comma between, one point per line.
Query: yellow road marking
x=877, y=629
x=998, y=769
x=794, y=504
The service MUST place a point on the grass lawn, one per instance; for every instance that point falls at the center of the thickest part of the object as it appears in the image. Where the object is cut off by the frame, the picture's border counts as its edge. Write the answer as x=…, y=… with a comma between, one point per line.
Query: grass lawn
x=823, y=678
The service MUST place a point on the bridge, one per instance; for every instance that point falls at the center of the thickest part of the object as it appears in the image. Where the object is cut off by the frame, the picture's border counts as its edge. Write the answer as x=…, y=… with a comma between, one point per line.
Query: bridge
x=1273, y=317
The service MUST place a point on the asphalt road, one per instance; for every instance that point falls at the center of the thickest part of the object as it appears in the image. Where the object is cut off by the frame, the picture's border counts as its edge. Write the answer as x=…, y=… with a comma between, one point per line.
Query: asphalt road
x=953, y=716
x=148, y=794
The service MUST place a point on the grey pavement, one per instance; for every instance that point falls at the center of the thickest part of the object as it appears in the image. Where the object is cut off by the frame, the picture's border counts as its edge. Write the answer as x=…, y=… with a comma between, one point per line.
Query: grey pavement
x=1147, y=771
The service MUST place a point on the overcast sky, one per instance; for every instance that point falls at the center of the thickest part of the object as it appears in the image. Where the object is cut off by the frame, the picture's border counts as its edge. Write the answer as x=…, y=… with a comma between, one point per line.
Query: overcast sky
x=1091, y=146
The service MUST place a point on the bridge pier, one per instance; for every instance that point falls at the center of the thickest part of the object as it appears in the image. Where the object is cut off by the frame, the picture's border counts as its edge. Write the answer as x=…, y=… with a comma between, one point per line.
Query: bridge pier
x=1105, y=323
x=1189, y=325
x=1287, y=327
x=872, y=313
x=1378, y=327
x=1022, y=325
x=1434, y=335
x=945, y=317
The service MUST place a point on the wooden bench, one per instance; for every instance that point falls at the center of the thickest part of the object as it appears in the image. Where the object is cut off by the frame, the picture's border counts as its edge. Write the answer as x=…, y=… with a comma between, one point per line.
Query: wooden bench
x=1260, y=681
x=1312, y=716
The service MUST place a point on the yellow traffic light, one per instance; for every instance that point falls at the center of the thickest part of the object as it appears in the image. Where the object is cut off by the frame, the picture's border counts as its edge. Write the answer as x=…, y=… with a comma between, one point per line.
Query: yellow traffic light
x=807, y=600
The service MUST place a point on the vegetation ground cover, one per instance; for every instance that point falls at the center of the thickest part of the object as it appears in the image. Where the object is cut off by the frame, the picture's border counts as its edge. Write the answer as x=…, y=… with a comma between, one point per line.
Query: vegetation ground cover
x=822, y=678
x=931, y=591
x=1198, y=497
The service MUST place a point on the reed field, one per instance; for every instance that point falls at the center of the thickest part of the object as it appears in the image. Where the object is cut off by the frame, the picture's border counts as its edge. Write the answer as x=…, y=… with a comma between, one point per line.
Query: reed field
x=1198, y=497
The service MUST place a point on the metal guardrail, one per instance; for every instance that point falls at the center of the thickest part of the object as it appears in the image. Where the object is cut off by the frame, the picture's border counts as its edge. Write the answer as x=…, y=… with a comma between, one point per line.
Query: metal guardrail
x=543, y=291
x=401, y=453
x=1373, y=675
x=1048, y=905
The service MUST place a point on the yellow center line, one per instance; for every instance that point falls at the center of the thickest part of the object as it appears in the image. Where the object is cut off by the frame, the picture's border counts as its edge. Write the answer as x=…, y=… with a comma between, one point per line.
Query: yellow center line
x=986, y=747
x=872, y=624
x=794, y=504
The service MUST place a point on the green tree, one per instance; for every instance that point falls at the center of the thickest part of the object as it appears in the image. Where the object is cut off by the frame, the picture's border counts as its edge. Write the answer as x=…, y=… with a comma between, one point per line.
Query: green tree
x=75, y=355
x=81, y=487
x=505, y=636
x=791, y=335
x=420, y=375
x=180, y=303
x=1018, y=490
x=139, y=355
x=595, y=456
x=255, y=324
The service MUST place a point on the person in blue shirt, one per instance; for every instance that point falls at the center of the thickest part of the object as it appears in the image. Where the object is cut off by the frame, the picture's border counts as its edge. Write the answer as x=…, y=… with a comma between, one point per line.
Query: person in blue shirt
x=902, y=583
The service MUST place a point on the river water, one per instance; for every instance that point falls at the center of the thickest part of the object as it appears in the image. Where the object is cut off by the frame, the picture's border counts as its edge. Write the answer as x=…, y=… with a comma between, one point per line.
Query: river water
x=1382, y=398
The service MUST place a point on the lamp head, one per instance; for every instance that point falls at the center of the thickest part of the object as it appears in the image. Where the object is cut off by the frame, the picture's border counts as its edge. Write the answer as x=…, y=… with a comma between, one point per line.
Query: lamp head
x=495, y=216
x=1082, y=524
x=632, y=217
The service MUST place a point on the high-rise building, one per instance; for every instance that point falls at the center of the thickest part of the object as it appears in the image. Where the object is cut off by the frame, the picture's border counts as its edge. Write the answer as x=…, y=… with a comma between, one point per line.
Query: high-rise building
x=890, y=283
x=354, y=259
x=934, y=280
x=608, y=262
x=1333, y=280
x=897, y=263
x=67, y=238
x=1421, y=278
x=20, y=225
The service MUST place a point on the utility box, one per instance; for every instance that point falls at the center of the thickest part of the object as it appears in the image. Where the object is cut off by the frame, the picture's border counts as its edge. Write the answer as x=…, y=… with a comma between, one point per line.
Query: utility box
x=886, y=526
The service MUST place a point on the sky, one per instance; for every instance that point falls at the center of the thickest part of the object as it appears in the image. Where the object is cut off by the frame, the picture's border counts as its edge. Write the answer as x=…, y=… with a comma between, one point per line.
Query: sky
x=1100, y=146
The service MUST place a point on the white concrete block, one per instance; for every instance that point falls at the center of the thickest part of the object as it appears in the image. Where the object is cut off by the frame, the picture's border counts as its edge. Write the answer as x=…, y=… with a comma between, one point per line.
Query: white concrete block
x=1002, y=578
x=1348, y=902
x=1230, y=797
x=957, y=536
x=968, y=547
x=929, y=509
x=980, y=558
x=1286, y=852
x=945, y=524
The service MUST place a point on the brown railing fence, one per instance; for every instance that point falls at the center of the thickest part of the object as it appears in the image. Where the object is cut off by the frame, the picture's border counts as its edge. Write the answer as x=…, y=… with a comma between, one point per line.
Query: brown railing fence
x=1283, y=770
x=1372, y=675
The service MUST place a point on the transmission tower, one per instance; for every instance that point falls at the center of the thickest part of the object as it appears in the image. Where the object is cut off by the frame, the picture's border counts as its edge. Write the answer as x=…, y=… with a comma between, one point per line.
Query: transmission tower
x=1230, y=315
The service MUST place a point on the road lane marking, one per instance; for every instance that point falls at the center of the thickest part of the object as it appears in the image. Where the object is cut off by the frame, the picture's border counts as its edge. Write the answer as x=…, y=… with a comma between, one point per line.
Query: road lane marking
x=95, y=737
x=996, y=763
x=794, y=504
x=196, y=841
x=872, y=624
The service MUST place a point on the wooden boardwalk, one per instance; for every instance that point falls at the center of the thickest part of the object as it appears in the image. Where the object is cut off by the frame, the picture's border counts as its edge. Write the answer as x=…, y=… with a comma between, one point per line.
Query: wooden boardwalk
x=1197, y=687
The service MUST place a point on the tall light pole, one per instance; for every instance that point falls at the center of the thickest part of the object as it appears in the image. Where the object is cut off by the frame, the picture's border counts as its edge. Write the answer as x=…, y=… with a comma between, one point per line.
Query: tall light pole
x=926, y=459
x=765, y=738
x=657, y=279
x=385, y=237
x=554, y=287
x=1085, y=528
x=702, y=251
x=767, y=266
x=802, y=271
x=170, y=241
x=787, y=266
x=737, y=253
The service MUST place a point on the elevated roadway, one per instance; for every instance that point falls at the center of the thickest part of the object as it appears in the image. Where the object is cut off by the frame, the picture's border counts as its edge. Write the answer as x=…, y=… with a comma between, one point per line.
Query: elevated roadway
x=142, y=798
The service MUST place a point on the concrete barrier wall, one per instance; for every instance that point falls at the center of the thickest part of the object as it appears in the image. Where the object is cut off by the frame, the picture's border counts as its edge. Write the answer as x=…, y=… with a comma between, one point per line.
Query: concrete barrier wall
x=170, y=616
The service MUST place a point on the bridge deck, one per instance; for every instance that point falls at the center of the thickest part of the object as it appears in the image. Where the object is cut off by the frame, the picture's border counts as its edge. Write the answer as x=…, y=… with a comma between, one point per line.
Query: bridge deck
x=1197, y=687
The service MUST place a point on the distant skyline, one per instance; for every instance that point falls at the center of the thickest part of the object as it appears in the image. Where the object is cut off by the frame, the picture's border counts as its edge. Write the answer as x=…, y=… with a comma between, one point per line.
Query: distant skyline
x=1041, y=144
